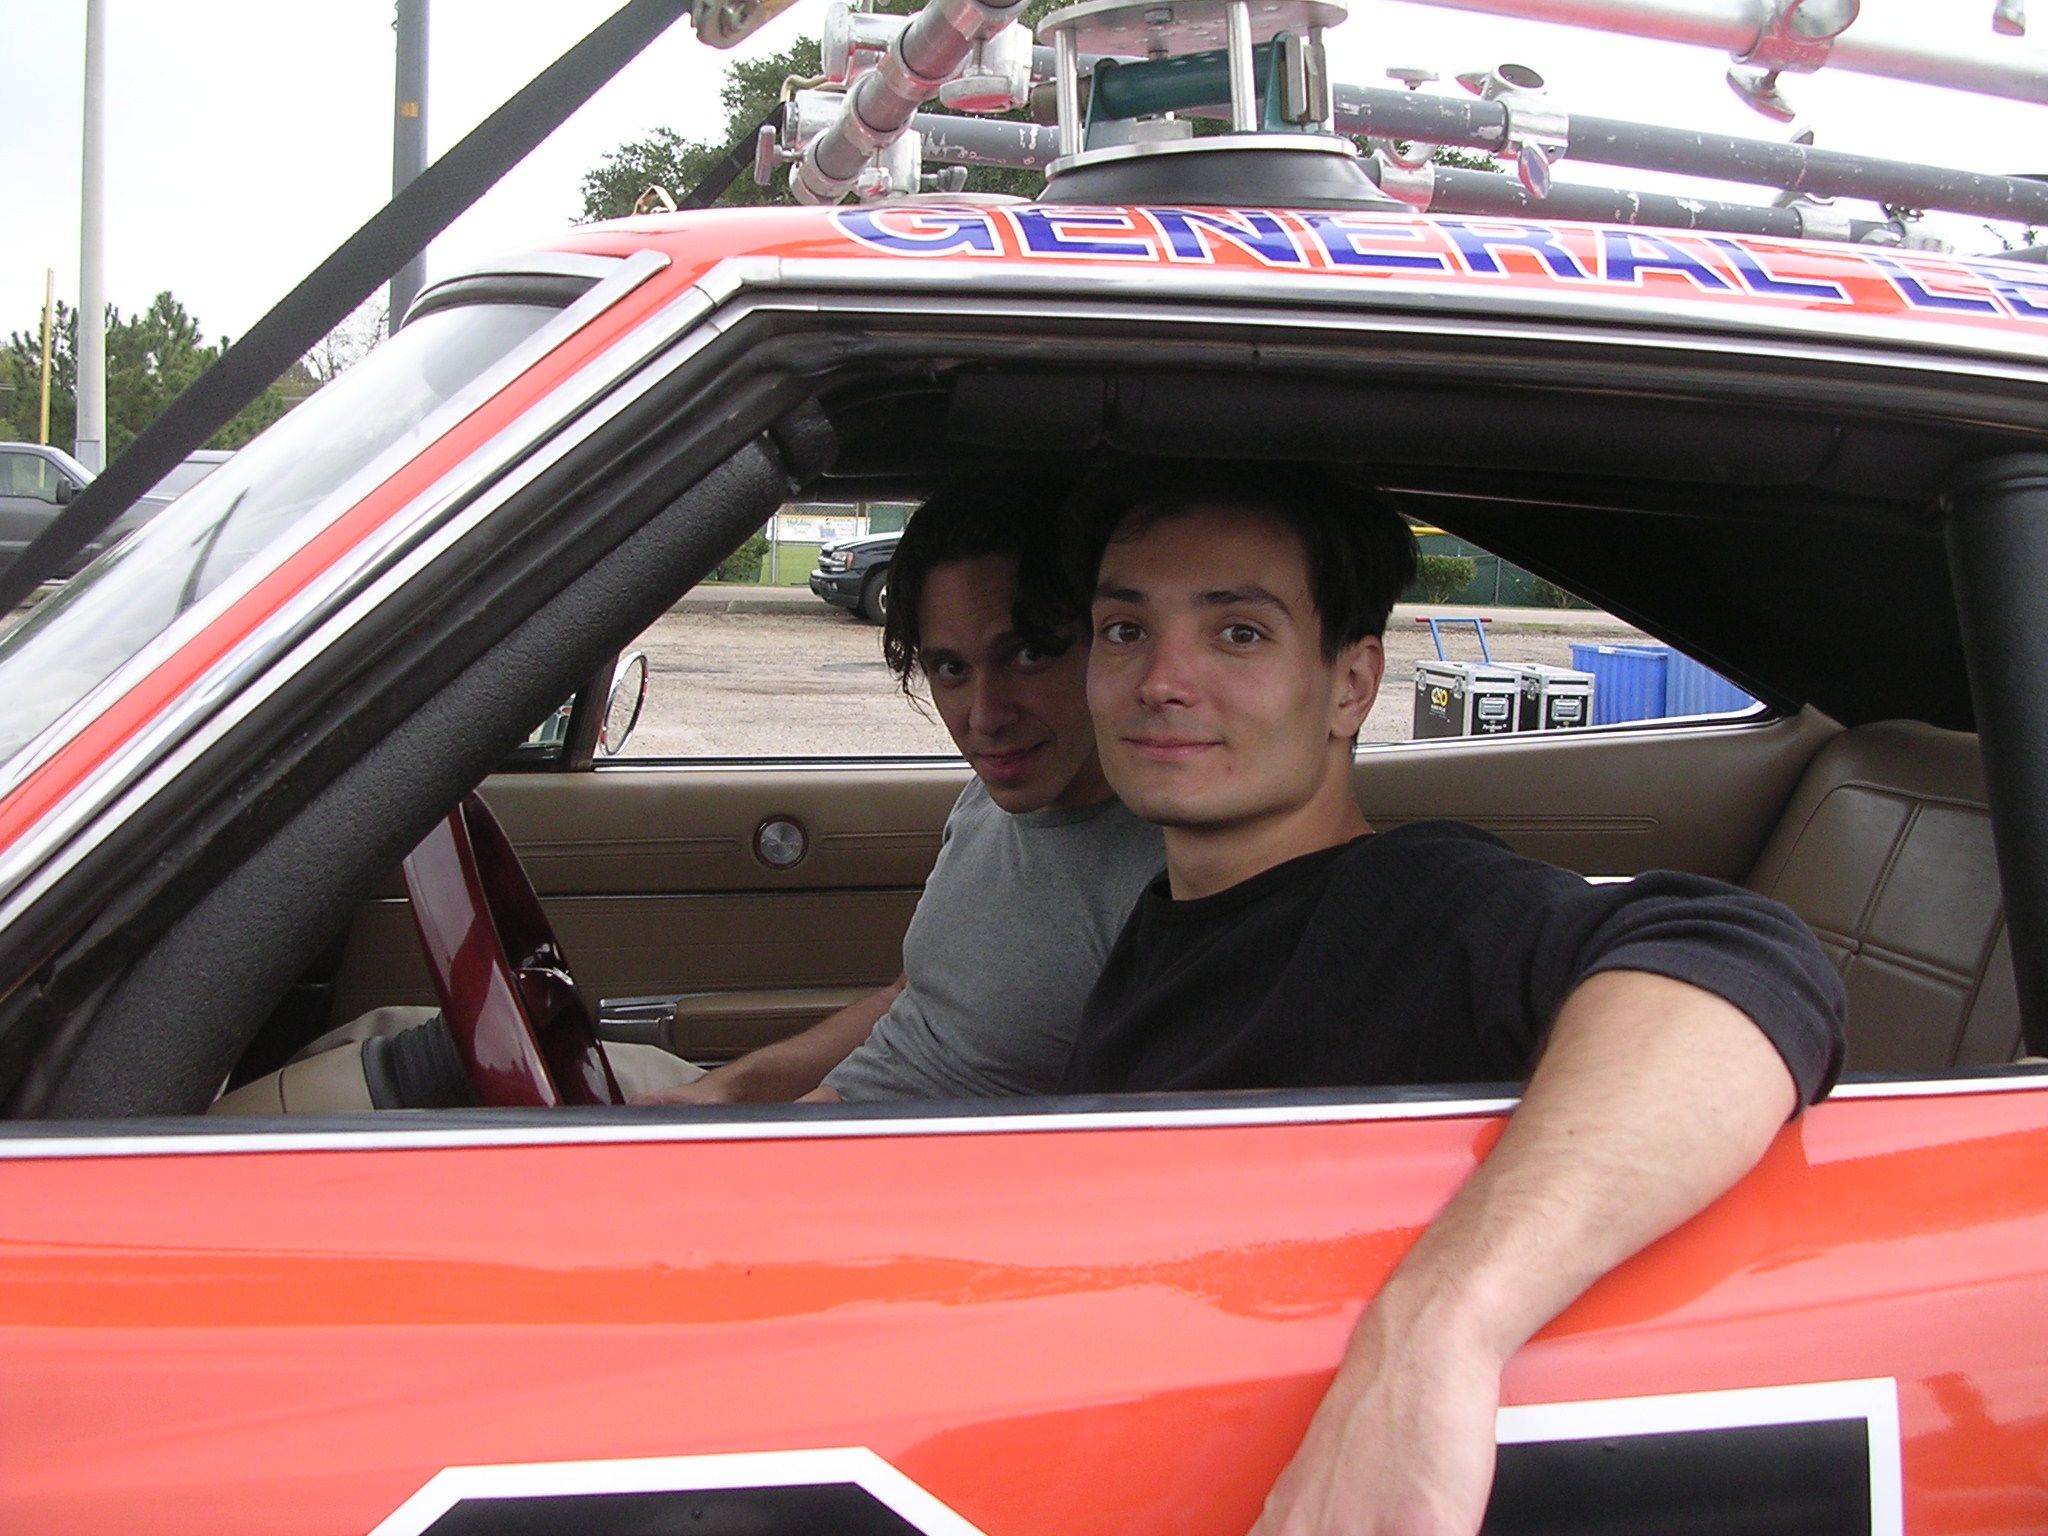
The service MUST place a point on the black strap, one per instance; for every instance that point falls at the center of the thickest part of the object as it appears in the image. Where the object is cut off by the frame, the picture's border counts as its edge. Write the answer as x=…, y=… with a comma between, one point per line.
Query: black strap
x=392, y=237
x=738, y=158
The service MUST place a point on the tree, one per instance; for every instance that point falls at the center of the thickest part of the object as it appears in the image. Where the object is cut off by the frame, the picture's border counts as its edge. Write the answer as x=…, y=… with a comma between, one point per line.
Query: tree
x=347, y=344
x=151, y=358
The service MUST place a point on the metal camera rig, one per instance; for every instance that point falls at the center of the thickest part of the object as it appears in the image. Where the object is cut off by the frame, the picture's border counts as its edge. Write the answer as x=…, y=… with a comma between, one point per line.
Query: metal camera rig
x=1232, y=101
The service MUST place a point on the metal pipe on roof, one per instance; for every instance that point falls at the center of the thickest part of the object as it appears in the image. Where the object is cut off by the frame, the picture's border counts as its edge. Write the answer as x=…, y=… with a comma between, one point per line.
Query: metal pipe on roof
x=1734, y=26
x=960, y=140
x=1457, y=190
x=1475, y=124
x=880, y=104
x=950, y=140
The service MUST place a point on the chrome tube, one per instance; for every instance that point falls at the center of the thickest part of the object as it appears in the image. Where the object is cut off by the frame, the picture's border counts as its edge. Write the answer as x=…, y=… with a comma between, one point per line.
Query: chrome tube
x=1067, y=82
x=1244, y=91
x=1733, y=26
x=880, y=103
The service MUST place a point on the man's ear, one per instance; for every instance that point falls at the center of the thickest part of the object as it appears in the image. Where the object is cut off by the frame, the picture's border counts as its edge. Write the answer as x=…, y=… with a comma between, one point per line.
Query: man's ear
x=1360, y=667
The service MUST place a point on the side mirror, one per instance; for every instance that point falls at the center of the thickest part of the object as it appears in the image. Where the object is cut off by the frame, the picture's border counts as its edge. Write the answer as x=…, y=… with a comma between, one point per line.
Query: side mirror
x=66, y=492
x=623, y=705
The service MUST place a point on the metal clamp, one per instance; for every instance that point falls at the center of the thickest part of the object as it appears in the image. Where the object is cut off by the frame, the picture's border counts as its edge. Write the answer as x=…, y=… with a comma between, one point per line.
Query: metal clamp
x=1821, y=219
x=896, y=170
x=1536, y=133
x=806, y=115
x=852, y=42
x=1798, y=35
x=1413, y=184
x=996, y=76
x=723, y=23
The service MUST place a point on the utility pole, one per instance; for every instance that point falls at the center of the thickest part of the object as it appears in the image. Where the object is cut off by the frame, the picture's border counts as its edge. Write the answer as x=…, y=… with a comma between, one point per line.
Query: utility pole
x=49, y=320
x=89, y=445
x=409, y=137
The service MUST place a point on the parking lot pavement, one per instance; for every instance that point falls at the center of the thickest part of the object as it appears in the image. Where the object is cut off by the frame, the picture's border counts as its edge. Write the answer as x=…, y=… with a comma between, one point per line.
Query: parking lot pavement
x=802, y=679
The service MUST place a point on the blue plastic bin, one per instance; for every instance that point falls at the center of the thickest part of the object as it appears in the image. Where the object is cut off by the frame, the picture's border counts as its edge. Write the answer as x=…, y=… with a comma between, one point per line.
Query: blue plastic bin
x=1628, y=680
x=1691, y=689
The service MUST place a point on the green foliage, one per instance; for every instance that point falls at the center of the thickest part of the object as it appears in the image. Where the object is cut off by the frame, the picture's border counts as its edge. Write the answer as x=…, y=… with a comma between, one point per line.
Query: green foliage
x=1544, y=594
x=151, y=358
x=1445, y=576
x=1465, y=159
x=744, y=563
x=752, y=88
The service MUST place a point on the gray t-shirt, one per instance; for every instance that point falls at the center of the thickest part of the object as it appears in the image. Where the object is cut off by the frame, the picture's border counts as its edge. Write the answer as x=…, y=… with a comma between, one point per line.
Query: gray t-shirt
x=1011, y=932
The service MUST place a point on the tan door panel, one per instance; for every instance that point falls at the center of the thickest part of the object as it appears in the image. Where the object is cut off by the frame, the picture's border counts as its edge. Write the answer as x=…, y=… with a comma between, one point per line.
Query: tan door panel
x=761, y=950
x=649, y=875
x=717, y=1026
x=665, y=827
x=1699, y=798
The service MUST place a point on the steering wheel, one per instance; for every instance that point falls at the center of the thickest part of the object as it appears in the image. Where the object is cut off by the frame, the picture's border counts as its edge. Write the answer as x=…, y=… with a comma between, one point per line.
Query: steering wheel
x=519, y=1023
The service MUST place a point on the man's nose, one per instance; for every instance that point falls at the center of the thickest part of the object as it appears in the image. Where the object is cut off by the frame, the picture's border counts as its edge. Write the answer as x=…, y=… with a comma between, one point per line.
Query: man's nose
x=1168, y=677
x=992, y=709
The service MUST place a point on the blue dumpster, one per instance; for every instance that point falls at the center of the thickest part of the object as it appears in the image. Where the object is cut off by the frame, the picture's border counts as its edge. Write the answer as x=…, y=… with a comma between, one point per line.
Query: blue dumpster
x=1628, y=680
x=1691, y=689
x=1654, y=682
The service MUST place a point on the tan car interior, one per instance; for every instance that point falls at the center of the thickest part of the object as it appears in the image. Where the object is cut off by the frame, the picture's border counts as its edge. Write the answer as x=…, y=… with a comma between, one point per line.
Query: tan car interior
x=1879, y=837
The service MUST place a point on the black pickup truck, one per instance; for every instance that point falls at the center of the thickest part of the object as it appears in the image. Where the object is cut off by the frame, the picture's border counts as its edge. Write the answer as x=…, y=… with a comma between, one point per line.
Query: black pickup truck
x=854, y=573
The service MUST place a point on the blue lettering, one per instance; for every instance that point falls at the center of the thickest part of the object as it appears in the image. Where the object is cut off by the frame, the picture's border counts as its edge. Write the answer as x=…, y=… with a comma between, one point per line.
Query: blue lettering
x=1339, y=236
x=1476, y=248
x=1045, y=233
x=1758, y=280
x=2013, y=289
x=1628, y=253
x=919, y=232
x=1920, y=296
x=1191, y=236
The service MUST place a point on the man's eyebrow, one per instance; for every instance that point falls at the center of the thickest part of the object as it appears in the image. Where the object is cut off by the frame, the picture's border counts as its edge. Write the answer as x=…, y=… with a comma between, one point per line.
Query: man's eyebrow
x=1239, y=597
x=1109, y=594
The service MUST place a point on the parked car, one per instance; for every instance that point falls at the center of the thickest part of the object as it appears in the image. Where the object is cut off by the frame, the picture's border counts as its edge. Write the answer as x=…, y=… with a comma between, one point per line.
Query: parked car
x=37, y=482
x=1817, y=467
x=854, y=574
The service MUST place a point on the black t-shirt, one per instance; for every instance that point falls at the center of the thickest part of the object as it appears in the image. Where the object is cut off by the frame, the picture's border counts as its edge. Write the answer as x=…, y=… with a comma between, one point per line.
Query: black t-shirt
x=1427, y=954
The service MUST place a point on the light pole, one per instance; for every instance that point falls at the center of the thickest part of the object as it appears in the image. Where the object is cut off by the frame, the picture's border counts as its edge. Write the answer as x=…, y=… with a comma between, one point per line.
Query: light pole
x=89, y=445
x=409, y=137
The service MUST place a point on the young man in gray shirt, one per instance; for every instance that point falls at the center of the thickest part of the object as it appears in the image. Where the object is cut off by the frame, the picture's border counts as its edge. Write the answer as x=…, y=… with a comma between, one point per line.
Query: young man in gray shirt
x=1039, y=864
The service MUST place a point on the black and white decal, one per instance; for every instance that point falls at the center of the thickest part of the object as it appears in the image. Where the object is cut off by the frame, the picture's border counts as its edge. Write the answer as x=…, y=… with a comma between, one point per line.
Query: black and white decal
x=1818, y=1457
x=848, y=1491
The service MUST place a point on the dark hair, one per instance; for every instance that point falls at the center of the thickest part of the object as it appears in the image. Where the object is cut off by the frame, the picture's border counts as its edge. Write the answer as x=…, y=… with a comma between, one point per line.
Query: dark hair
x=1359, y=552
x=1012, y=516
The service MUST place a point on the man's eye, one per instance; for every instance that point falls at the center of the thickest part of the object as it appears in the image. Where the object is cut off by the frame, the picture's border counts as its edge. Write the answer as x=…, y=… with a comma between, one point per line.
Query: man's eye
x=945, y=672
x=1120, y=632
x=1242, y=634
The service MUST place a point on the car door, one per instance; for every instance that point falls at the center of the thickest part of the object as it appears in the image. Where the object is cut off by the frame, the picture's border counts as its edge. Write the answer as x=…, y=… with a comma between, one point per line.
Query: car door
x=29, y=489
x=1104, y=1319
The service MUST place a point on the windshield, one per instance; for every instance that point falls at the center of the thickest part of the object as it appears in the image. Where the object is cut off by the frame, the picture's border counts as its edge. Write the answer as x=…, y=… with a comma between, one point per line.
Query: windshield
x=118, y=604
x=183, y=478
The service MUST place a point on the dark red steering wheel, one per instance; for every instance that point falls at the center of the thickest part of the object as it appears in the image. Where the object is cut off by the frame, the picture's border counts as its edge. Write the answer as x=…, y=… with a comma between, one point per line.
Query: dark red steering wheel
x=520, y=1025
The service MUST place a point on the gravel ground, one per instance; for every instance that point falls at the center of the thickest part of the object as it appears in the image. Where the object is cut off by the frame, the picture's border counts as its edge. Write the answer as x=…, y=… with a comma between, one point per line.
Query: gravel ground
x=811, y=684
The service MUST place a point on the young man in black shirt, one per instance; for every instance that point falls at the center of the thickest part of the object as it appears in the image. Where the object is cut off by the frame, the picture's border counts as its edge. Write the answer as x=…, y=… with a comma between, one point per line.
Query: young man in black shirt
x=1679, y=1022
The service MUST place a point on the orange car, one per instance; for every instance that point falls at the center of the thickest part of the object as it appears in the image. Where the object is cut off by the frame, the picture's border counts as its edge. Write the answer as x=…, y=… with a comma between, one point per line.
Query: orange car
x=1818, y=467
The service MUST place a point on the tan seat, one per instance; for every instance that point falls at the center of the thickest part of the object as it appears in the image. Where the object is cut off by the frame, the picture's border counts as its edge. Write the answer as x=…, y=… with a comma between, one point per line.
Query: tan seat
x=1885, y=849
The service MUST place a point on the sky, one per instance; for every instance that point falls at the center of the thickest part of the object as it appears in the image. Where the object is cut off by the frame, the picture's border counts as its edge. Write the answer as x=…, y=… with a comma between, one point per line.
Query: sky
x=248, y=138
